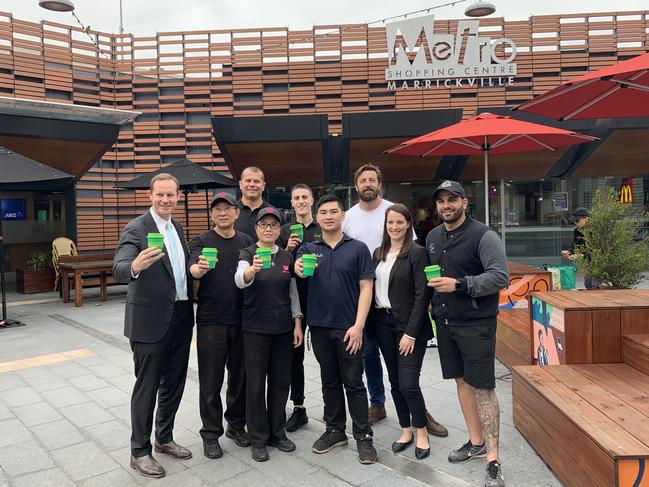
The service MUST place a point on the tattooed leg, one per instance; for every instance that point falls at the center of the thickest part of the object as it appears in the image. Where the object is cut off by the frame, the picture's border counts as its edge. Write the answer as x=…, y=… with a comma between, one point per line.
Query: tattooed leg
x=468, y=402
x=489, y=412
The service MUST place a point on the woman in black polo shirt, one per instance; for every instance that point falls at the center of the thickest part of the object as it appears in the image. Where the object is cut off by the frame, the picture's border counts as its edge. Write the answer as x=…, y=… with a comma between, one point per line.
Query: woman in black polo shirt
x=399, y=320
x=272, y=326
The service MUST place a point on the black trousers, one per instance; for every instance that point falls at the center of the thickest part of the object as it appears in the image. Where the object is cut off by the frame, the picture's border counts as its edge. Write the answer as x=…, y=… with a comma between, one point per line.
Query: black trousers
x=160, y=372
x=218, y=347
x=338, y=369
x=403, y=372
x=297, y=372
x=268, y=360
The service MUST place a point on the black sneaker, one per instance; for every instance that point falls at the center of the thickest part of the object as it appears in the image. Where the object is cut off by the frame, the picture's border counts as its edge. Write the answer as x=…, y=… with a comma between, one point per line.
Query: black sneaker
x=259, y=454
x=366, y=450
x=467, y=452
x=494, y=475
x=298, y=418
x=329, y=440
x=284, y=445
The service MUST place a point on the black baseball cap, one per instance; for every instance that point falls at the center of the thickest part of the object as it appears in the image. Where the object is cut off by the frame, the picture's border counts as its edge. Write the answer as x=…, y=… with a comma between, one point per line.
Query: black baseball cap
x=269, y=210
x=578, y=214
x=223, y=196
x=452, y=187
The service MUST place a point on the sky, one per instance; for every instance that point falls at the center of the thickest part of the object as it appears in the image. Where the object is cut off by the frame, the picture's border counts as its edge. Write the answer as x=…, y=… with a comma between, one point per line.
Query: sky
x=146, y=17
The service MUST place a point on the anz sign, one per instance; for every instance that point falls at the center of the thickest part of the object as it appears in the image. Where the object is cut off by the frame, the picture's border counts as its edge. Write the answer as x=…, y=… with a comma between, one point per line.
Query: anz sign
x=419, y=58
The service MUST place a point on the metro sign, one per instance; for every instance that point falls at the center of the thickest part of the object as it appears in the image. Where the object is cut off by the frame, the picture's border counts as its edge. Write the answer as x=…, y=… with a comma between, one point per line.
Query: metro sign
x=462, y=59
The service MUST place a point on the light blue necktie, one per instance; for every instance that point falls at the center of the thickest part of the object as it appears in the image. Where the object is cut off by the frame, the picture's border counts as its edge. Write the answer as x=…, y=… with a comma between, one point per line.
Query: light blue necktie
x=177, y=261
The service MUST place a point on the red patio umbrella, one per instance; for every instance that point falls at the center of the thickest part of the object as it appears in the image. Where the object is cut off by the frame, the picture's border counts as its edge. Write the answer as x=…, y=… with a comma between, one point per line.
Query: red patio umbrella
x=621, y=90
x=485, y=134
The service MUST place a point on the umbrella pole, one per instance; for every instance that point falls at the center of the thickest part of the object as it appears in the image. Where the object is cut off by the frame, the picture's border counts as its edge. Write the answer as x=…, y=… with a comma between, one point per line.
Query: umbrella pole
x=485, y=150
x=207, y=205
x=186, y=193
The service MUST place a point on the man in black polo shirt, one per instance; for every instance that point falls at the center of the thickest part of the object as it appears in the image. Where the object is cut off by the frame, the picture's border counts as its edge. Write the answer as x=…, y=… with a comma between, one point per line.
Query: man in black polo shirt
x=219, y=338
x=473, y=268
x=340, y=295
x=252, y=184
x=302, y=203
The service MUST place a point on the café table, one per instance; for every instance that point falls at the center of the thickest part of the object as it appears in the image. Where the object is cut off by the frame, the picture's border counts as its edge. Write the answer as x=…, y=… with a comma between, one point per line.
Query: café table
x=101, y=266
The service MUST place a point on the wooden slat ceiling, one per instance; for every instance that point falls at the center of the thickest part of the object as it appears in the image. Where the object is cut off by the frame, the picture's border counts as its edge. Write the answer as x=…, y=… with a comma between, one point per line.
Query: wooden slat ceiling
x=394, y=168
x=512, y=167
x=283, y=163
x=623, y=148
x=69, y=156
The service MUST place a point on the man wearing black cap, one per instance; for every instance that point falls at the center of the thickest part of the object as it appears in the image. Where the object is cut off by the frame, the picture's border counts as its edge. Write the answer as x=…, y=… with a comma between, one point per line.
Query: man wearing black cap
x=473, y=269
x=218, y=319
x=580, y=220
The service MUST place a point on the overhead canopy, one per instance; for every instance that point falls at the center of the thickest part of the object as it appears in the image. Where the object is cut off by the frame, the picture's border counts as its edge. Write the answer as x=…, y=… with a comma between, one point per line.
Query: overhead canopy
x=67, y=137
x=16, y=171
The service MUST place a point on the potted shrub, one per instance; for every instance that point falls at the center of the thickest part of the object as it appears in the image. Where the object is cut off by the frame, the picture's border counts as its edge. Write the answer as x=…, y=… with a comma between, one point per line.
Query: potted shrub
x=616, y=252
x=38, y=275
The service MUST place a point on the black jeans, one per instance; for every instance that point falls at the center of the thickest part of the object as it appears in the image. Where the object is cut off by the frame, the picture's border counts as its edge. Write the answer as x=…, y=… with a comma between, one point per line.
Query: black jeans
x=160, y=373
x=267, y=357
x=403, y=372
x=339, y=368
x=297, y=372
x=218, y=347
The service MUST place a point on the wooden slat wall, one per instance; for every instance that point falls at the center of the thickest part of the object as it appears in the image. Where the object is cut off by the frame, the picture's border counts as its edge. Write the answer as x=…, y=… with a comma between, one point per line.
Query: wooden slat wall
x=179, y=79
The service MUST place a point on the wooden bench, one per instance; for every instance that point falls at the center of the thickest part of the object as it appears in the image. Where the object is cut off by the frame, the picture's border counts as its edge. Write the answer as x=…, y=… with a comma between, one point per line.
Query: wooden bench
x=513, y=344
x=589, y=423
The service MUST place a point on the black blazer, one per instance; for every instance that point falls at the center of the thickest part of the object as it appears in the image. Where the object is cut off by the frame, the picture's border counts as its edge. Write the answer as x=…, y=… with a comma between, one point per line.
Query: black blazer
x=409, y=294
x=151, y=297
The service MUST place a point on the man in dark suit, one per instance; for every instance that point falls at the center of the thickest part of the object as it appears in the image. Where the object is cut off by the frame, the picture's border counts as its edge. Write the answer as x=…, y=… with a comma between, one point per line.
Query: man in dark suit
x=158, y=322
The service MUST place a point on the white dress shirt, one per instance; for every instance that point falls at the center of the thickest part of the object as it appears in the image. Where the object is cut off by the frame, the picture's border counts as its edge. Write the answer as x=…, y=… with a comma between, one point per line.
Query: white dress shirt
x=383, y=280
x=161, y=223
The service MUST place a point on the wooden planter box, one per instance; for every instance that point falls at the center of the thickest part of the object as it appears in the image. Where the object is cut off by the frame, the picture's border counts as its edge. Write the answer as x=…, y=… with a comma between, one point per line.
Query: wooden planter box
x=29, y=281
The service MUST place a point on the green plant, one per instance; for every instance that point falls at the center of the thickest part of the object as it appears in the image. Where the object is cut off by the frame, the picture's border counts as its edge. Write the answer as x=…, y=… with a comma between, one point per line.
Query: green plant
x=614, y=254
x=39, y=259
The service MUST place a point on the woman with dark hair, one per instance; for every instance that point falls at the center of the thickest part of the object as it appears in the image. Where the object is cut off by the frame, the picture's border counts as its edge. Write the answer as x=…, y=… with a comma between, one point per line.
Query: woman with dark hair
x=272, y=327
x=399, y=320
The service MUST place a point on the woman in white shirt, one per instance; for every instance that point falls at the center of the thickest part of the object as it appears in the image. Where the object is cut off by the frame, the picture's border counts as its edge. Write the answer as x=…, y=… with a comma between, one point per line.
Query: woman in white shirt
x=399, y=321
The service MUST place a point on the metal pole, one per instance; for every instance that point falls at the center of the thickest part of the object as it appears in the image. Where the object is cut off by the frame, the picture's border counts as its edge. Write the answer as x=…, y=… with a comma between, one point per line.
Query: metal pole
x=121, y=18
x=207, y=205
x=502, y=212
x=485, y=149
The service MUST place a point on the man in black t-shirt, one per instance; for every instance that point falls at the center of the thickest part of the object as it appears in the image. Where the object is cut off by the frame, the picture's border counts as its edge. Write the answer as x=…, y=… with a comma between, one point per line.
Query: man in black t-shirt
x=252, y=184
x=218, y=319
x=302, y=203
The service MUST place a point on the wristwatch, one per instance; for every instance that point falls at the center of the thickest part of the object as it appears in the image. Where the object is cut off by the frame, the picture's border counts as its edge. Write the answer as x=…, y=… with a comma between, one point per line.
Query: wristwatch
x=460, y=285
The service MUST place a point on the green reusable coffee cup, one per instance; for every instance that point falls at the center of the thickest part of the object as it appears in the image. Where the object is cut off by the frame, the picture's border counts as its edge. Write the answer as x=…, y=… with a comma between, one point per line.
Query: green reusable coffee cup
x=298, y=230
x=210, y=254
x=156, y=240
x=308, y=264
x=432, y=271
x=264, y=254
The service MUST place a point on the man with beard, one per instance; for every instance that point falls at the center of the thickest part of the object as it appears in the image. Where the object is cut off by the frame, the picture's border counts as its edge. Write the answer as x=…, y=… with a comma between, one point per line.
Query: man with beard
x=465, y=305
x=364, y=222
x=219, y=339
x=252, y=184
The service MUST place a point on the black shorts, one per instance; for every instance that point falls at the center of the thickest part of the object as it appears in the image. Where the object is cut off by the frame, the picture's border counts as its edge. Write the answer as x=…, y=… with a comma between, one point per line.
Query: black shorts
x=468, y=352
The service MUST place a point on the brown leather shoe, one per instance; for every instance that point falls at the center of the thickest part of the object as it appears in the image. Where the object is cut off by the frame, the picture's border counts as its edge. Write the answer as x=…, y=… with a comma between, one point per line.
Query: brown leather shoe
x=375, y=414
x=174, y=449
x=147, y=466
x=434, y=428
